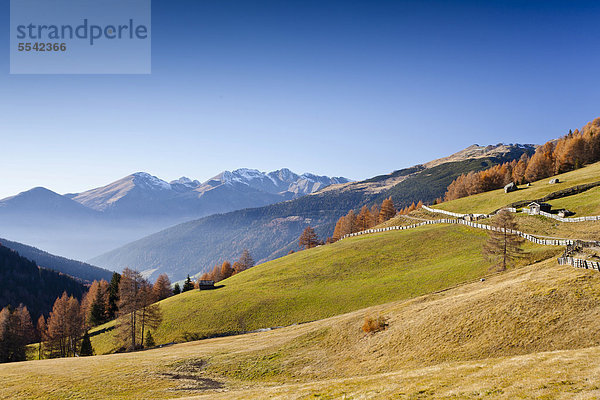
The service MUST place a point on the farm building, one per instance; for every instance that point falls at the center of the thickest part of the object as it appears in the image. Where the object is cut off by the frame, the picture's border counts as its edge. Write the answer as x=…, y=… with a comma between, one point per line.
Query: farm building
x=535, y=208
x=204, y=284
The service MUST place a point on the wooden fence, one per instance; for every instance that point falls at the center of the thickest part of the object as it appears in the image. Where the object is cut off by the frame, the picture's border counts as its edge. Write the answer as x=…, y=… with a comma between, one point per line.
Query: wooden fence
x=453, y=214
x=513, y=210
x=579, y=263
x=526, y=236
x=562, y=219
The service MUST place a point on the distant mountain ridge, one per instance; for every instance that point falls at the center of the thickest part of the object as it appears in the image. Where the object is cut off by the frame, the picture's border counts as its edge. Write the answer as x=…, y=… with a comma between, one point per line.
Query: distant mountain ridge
x=142, y=192
x=82, y=225
x=272, y=231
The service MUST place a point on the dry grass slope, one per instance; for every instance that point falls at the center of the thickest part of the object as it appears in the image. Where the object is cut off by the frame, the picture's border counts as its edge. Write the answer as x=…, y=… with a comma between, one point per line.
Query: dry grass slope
x=533, y=332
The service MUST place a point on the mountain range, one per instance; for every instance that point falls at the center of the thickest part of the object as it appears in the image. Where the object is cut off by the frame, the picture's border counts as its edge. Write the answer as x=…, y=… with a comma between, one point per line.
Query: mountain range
x=82, y=225
x=272, y=231
x=142, y=194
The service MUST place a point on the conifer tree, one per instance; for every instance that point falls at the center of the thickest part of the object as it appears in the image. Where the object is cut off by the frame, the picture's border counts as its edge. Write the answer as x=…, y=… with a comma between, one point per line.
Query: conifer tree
x=162, y=287
x=363, y=219
x=150, y=313
x=149, y=341
x=16, y=331
x=337, y=231
x=86, y=346
x=130, y=302
x=187, y=285
x=113, y=296
x=502, y=245
x=237, y=267
x=308, y=239
x=349, y=224
x=176, y=289
x=388, y=211
x=97, y=313
x=246, y=260
x=374, y=216
x=65, y=325
x=42, y=335
x=226, y=270
x=215, y=274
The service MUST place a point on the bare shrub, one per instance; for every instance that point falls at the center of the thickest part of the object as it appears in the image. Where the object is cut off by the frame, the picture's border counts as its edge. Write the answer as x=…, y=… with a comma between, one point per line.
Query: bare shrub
x=372, y=325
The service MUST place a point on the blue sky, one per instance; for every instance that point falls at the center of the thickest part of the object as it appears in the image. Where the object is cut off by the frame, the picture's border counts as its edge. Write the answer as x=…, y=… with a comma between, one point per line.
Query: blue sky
x=350, y=88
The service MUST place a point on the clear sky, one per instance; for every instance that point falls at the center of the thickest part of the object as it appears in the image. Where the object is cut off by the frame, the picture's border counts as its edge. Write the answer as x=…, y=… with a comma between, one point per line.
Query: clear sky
x=345, y=88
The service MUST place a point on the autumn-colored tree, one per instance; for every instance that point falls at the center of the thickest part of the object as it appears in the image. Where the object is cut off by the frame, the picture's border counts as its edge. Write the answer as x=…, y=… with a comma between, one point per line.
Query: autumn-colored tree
x=337, y=231
x=130, y=302
x=16, y=331
x=237, y=267
x=150, y=315
x=388, y=211
x=308, y=239
x=570, y=153
x=349, y=224
x=6, y=338
x=94, y=304
x=375, y=210
x=215, y=274
x=246, y=260
x=26, y=329
x=503, y=246
x=138, y=310
x=364, y=218
x=226, y=270
x=518, y=172
x=162, y=287
x=65, y=325
x=42, y=335
x=541, y=164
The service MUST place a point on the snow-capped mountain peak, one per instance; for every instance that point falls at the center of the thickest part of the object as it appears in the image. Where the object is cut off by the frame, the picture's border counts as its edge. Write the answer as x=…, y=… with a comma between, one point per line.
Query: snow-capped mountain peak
x=282, y=182
x=184, y=183
x=151, y=181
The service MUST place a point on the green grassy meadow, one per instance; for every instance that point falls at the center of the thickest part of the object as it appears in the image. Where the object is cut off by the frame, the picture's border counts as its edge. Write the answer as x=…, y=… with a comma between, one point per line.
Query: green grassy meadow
x=326, y=281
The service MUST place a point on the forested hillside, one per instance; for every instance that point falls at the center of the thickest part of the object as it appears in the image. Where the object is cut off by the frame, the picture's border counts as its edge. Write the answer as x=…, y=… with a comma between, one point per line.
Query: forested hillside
x=74, y=268
x=570, y=152
x=23, y=282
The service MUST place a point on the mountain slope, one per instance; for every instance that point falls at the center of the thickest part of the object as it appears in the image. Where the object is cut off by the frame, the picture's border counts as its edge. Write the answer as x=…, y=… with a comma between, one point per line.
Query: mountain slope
x=330, y=280
x=272, y=231
x=73, y=268
x=23, y=282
